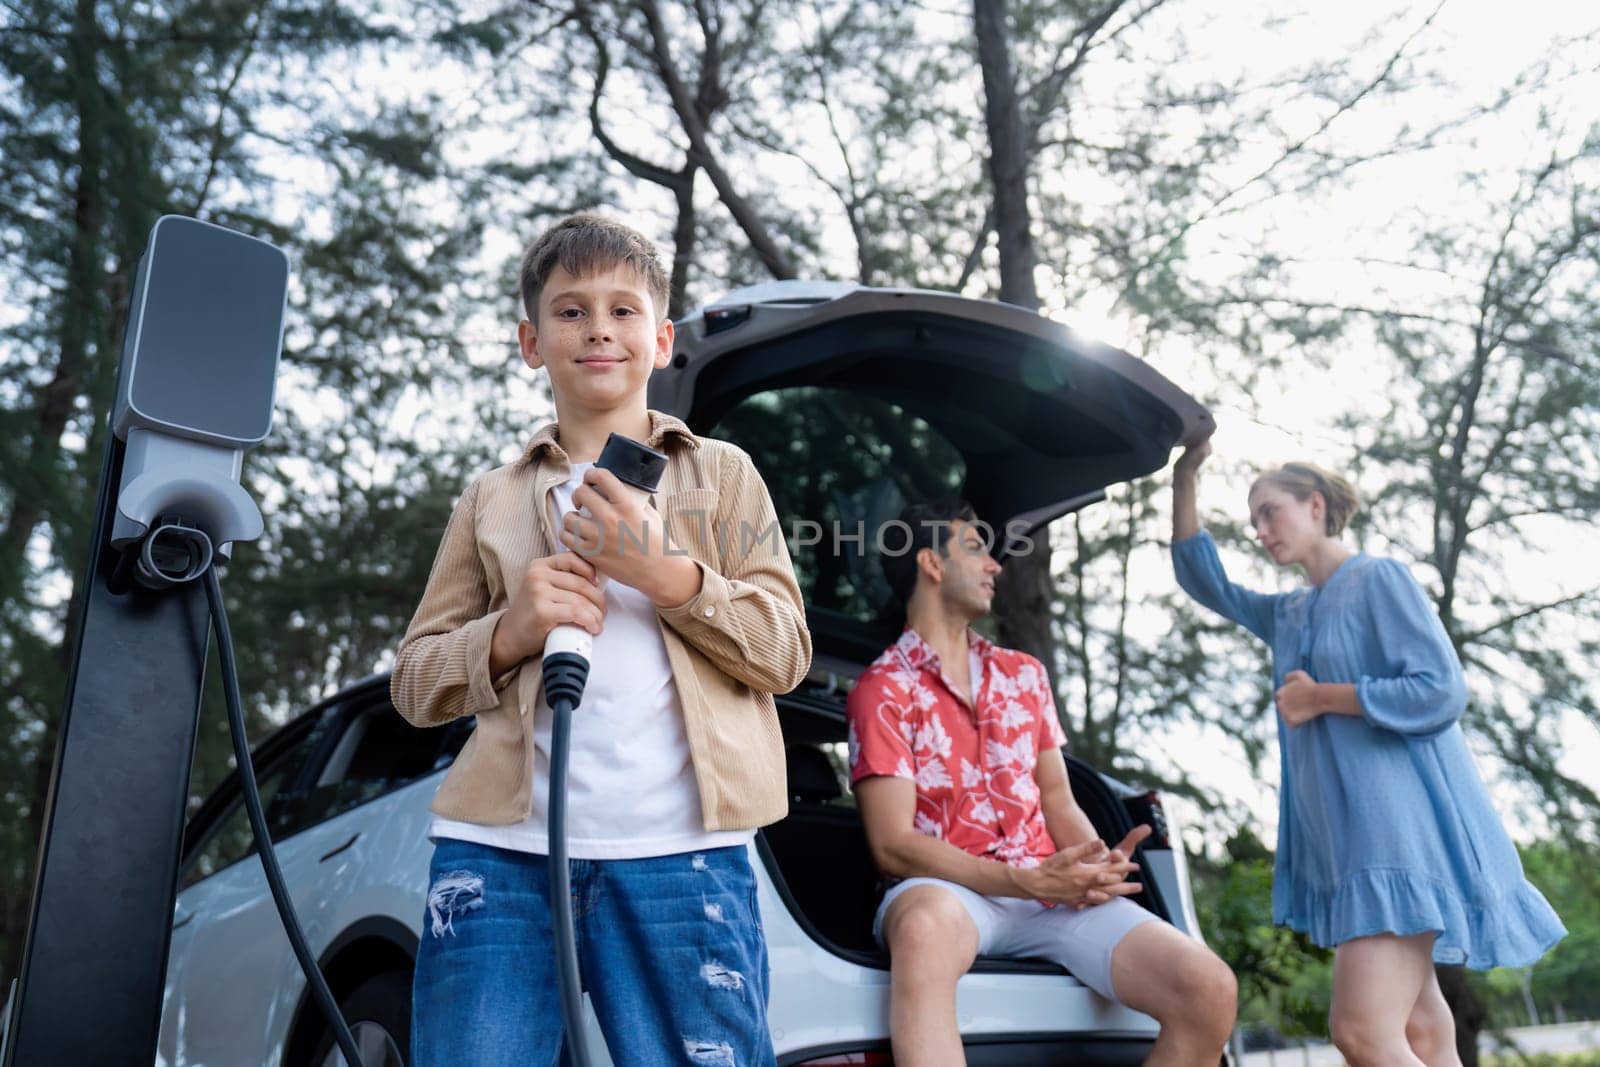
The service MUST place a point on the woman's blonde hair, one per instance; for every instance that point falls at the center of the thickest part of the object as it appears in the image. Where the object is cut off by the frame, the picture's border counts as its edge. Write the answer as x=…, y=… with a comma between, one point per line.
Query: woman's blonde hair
x=1300, y=480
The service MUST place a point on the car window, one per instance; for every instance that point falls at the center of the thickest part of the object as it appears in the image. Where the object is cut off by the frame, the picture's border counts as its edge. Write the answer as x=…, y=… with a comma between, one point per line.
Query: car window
x=839, y=463
x=231, y=839
x=376, y=753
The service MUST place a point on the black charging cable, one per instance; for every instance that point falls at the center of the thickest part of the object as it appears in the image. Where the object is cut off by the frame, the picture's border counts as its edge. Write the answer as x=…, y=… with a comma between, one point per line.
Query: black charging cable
x=564, y=676
x=174, y=554
x=565, y=671
x=258, y=826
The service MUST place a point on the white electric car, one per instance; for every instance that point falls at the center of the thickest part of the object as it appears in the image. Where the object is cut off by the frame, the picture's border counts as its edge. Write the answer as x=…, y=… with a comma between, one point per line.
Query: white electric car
x=850, y=400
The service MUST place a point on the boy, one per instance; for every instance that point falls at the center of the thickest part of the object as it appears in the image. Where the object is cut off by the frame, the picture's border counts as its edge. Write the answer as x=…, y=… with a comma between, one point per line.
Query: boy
x=955, y=758
x=676, y=754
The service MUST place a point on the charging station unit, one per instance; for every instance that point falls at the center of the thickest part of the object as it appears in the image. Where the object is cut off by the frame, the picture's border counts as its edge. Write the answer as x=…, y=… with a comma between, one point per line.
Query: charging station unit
x=194, y=392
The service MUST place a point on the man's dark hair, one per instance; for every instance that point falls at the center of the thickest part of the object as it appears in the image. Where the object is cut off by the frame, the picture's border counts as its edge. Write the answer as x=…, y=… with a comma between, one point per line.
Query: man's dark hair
x=926, y=525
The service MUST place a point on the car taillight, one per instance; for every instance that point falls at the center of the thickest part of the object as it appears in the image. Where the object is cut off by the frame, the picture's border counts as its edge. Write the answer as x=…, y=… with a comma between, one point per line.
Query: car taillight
x=718, y=319
x=881, y=1058
x=1147, y=809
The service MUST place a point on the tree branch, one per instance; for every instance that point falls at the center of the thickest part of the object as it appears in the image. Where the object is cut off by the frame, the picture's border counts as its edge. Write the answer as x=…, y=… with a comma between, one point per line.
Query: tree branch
x=979, y=242
x=635, y=165
x=224, y=98
x=1299, y=145
x=700, y=151
x=1045, y=94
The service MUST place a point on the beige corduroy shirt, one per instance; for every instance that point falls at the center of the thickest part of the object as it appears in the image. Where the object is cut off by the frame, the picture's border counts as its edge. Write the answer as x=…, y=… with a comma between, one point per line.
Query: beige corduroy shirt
x=741, y=639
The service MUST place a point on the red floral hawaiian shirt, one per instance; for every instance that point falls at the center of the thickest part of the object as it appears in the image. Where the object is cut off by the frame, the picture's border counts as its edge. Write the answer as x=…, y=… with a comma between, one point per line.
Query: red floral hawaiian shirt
x=973, y=766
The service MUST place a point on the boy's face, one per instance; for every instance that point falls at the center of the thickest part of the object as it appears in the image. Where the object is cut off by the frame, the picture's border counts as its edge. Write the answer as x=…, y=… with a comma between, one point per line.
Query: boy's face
x=598, y=337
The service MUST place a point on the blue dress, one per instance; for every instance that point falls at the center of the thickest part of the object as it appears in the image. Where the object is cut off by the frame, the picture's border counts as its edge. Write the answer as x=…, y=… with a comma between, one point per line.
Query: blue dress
x=1383, y=822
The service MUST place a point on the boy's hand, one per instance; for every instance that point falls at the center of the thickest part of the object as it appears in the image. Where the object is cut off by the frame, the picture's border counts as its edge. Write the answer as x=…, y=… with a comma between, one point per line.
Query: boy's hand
x=554, y=590
x=625, y=539
x=1080, y=876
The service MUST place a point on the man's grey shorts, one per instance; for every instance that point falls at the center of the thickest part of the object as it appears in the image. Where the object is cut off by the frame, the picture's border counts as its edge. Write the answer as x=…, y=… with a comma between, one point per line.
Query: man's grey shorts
x=1080, y=941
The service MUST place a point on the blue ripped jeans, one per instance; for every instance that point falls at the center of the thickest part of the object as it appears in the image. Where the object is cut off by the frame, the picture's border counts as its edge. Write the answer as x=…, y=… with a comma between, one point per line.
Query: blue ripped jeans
x=670, y=948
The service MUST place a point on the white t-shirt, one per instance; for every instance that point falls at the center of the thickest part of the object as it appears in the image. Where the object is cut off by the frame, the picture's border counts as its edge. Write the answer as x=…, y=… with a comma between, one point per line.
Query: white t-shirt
x=631, y=790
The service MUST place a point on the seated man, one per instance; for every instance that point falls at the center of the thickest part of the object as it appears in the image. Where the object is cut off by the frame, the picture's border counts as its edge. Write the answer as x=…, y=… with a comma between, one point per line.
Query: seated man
x=955, y=758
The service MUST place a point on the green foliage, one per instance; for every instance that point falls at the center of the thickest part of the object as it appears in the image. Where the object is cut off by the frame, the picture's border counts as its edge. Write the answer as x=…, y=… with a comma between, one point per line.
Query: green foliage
x=1566, y=982
x=1285, y=982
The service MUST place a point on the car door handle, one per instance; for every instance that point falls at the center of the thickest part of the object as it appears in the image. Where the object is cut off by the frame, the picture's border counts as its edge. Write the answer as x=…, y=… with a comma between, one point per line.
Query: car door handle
x=334, y=852
x=183, y=920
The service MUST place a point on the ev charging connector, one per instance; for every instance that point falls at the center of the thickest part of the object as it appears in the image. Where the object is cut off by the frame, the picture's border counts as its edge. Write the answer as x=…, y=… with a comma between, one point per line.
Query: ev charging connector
x=565, y=671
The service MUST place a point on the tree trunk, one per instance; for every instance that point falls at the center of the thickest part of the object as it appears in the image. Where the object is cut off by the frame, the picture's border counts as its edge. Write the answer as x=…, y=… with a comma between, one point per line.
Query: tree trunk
x=682, y=245
x=1008, y=155
x=680, y=181
x=684, y=103
x=1022, y=602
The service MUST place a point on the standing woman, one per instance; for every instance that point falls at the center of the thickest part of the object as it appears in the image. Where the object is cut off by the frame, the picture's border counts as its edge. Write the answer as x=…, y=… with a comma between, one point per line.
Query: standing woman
x=1388, y=848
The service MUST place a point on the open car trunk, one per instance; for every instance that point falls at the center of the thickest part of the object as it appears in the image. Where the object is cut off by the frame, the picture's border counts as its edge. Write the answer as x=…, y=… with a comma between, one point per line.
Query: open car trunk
x=853, y=401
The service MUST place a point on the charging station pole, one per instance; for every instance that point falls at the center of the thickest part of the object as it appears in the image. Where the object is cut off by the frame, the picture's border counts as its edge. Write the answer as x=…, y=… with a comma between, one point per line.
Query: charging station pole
x=195, y=388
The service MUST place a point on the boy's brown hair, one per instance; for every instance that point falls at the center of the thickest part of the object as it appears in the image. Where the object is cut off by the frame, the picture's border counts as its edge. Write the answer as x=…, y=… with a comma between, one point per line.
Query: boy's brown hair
x=583, y=245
